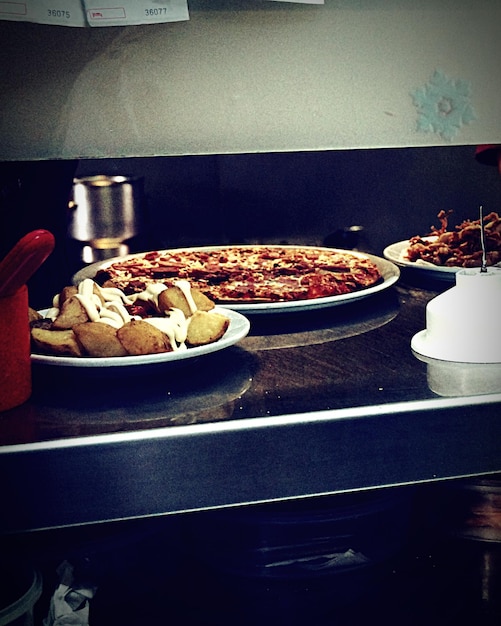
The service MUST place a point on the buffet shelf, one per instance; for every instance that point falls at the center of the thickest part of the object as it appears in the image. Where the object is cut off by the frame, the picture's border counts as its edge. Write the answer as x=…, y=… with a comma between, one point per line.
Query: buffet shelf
x=309, y=403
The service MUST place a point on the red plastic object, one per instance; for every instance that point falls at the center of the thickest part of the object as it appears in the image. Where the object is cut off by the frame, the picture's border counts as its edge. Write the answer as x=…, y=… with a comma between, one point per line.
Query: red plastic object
x=15, y=357
x=24, y=259
x=489, y=154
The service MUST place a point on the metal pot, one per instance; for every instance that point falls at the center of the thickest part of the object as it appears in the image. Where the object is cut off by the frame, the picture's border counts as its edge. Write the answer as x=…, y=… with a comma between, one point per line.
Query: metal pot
x=106, y=210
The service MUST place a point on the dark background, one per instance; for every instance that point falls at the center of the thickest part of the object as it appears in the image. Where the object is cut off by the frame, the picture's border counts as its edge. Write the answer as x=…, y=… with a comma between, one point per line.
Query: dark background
x=255, y=198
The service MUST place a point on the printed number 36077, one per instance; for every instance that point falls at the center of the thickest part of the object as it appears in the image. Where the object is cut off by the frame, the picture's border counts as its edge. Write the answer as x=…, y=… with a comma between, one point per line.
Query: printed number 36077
x=156, y=12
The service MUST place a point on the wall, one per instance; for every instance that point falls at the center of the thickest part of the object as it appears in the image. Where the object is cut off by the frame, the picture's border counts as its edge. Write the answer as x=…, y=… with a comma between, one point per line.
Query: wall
x=243, y=76
x=253, y=121
x=303, y=197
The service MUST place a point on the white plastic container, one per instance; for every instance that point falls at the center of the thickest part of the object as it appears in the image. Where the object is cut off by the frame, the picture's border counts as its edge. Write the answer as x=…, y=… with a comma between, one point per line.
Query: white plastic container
x=462, y=322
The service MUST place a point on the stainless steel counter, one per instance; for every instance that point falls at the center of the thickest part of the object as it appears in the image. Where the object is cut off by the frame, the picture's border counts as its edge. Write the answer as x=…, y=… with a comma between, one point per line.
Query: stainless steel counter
x=309, y=403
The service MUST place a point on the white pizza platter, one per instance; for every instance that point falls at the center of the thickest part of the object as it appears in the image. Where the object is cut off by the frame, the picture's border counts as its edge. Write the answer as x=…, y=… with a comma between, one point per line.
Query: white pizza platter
x=390, y=273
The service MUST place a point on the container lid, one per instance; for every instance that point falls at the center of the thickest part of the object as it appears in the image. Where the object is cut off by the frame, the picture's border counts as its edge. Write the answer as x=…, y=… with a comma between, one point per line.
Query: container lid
x=103, y=180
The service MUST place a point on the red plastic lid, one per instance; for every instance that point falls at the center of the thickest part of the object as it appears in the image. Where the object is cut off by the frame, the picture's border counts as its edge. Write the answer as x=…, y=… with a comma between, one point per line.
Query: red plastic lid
x=488, y=154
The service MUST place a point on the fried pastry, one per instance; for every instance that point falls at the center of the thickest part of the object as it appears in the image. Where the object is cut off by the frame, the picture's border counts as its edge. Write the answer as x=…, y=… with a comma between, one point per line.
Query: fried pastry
x=99, y=339
x=72, y=312
x=139, y=337
x=174, y=298
x=66, y=293
x=56, y=342
x=33, y=315
x=205, y=327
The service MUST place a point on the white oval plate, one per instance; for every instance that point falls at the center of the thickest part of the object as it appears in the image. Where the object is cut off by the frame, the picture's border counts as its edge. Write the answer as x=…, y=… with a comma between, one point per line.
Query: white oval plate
x=389, y=271
x=396, y=254
x=237, y=330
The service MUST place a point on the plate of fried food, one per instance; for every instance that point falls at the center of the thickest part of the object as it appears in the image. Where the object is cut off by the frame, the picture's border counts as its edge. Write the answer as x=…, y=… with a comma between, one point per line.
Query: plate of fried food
x=444, y=251
x=91, y=326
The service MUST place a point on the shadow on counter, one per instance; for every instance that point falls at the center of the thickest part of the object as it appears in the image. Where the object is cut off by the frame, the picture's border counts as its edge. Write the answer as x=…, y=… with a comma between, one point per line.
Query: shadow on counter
x=74, y=402
x=302, y=328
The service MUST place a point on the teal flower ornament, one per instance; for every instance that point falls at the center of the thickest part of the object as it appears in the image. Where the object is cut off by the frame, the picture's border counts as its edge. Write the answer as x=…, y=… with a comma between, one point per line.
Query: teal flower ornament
x=443, y=105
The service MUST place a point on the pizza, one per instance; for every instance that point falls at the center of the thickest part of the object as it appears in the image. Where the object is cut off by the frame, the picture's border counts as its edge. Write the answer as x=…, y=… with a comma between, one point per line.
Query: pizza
x=247, y=273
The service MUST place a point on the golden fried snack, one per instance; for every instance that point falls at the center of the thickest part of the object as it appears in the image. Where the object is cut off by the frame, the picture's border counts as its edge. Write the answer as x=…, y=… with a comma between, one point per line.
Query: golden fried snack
x=206, y=328
x=72, y=290
x=42, y=322
x=172, y=325
x=66, y=293
x=461, y=247
x=99, y=339
x=72, y=312
x=34, y=315
x=174, y=298
x=140, y=337
x=56, y=342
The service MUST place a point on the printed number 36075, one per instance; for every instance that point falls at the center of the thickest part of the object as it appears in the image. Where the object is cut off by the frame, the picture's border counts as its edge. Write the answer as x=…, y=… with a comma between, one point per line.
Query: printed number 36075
x=58, y=13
